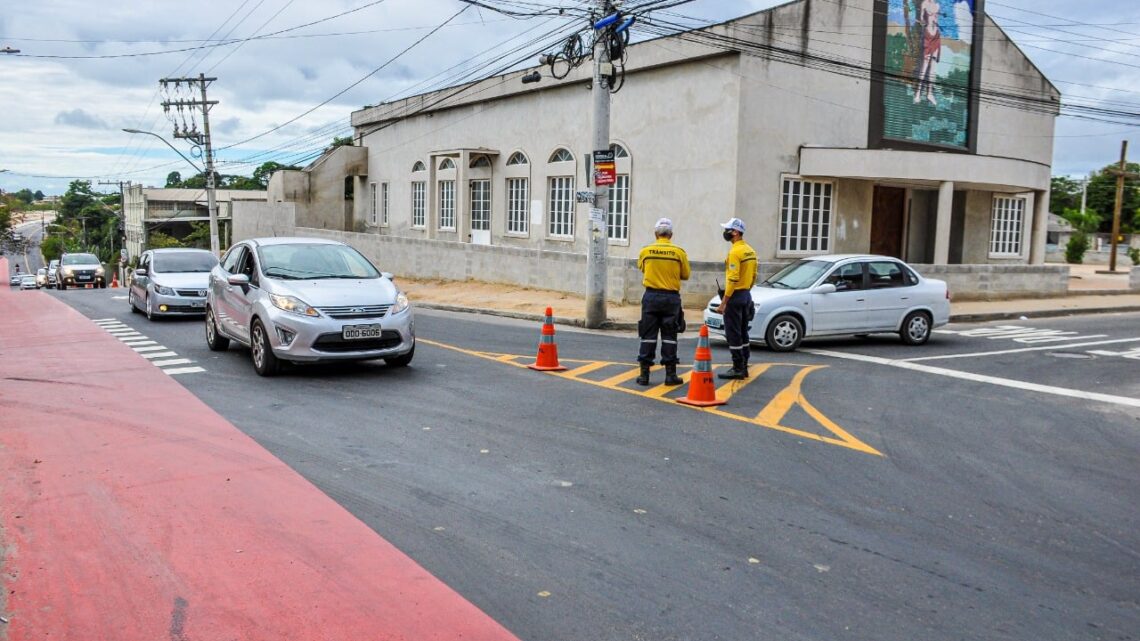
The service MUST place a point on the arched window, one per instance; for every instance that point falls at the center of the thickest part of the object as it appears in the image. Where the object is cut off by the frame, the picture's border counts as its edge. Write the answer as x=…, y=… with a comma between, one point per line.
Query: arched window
x=619, y=151
x=561, y=155
x=517, y=158
x=480, y=162
x=419, y=166
x=447, y=163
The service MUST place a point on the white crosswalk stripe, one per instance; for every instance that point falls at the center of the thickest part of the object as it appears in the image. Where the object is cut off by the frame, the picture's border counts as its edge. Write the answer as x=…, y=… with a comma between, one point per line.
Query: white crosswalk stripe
x=159, y=355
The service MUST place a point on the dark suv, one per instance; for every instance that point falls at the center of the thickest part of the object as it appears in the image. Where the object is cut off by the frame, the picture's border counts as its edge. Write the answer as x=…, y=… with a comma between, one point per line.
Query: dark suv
x=80, y=270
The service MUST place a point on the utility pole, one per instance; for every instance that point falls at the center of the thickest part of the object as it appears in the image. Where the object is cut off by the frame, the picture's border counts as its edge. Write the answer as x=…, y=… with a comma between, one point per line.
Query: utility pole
x=596, y=269
x=201, y=139
x=1121, y=173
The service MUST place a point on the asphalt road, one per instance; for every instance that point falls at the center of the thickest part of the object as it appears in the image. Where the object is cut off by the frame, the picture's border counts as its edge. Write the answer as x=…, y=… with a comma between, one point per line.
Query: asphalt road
x=983, y=486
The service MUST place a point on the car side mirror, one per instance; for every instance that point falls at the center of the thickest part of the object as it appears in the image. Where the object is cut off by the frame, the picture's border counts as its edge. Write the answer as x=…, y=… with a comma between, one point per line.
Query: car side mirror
x=388, y=275
x=241, y=280
x=140, y=272
x=826, y=288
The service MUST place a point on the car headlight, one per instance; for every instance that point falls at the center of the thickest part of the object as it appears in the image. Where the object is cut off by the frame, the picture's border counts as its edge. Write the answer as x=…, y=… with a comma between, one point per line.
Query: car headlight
x=402, y=303
x=99, y=271
x=293, y=304
x=67, y=271
x=164, y=290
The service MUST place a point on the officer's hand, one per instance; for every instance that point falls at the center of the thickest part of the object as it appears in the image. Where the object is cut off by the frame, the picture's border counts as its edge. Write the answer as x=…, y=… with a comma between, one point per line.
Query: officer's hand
x=720, y=308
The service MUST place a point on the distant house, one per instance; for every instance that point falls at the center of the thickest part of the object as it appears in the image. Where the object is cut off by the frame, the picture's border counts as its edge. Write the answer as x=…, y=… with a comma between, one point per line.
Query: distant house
x=171, y=211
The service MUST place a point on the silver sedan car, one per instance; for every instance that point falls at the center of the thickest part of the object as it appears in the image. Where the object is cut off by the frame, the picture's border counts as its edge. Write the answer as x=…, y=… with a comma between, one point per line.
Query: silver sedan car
x=306, y=300
x=170, y=282
x=842, y=295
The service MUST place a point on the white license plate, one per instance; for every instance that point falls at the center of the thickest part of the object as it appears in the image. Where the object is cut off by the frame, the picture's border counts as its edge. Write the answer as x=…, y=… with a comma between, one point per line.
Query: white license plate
x=356, y=332
x=715, y=323
x=197, y=303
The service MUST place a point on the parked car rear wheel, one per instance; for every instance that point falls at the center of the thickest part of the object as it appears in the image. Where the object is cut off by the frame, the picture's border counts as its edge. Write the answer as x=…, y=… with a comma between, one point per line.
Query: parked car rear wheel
x=784, y=333
x=214, y=339
x=131, y=302
x=265, y=363
x=916, y=328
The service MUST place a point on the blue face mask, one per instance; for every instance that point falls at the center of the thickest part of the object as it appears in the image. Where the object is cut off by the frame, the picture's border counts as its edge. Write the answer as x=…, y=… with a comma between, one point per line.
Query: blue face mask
x=728, y=235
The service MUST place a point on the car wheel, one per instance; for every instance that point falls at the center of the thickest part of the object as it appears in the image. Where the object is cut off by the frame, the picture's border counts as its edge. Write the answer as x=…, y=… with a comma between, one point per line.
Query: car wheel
x=131, y=302
x=403, y=360
x=265, y=363
x=784, y=333
x=916, y=328
x=149, y=309
x=214, y=339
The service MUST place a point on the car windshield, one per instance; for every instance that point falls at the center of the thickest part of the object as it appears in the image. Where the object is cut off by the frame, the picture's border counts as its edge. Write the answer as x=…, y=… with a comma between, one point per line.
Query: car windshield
x=183, y=262
x=799, y=275
x=79, y=259
x=312, y=261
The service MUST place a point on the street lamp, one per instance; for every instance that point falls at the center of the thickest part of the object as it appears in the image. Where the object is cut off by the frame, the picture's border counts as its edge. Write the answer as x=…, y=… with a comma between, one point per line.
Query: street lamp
x=215, y=245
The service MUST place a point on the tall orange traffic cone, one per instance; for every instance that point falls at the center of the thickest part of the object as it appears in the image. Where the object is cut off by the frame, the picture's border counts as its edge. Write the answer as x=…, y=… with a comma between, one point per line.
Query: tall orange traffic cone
x=702, y=392
x=547, y=360
x=114, y=280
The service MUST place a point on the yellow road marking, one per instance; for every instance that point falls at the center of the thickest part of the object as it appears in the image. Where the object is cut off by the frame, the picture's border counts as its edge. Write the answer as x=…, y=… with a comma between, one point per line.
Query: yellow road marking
x=769, y=417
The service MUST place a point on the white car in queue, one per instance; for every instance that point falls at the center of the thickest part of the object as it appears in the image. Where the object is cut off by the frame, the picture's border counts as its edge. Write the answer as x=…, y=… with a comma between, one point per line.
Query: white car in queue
x=844, y=294
x=306, y=300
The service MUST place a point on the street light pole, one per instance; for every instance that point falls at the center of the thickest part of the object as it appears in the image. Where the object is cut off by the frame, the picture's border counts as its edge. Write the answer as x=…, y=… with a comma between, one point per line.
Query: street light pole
x=211, y=200
x=596, y=268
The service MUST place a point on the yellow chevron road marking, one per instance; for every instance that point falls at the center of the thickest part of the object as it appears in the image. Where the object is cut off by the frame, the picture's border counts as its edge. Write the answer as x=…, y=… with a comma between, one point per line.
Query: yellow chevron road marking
x=770, y=417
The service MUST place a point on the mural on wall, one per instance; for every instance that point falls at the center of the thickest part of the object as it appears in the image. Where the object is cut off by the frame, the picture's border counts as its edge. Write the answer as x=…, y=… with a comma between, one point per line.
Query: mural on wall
x=929, y=53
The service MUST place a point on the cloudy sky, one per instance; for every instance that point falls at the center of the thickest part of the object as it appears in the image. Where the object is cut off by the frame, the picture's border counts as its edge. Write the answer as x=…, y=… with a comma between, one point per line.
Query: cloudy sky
x=290, y=73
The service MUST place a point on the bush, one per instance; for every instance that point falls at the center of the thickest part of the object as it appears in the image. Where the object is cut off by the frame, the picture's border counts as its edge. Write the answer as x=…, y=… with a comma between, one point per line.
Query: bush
x=1076, y=248
x=1134, y=254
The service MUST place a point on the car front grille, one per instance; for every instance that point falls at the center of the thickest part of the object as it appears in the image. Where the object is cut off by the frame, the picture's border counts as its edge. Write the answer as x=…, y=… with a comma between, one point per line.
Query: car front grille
x=355, y=311
x=336, y=343
x=191, y=293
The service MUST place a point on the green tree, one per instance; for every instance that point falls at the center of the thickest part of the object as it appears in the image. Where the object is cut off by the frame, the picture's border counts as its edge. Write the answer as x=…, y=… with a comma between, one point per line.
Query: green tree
x=173, y=180
x=1102, y=196
x=1083, y=224
x=39, y=195
x=1064, y=193
x=339, y=141
x=25, y=196
x=159, y=240
x=199, y=236
x=263, y=173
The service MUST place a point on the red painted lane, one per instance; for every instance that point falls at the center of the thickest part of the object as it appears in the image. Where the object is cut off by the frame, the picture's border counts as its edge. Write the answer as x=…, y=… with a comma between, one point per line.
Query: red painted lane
x=131, y=510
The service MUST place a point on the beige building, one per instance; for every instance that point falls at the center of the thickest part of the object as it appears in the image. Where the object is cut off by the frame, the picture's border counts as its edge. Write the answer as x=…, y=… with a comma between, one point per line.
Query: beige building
x=774, y=117
x=171, y=211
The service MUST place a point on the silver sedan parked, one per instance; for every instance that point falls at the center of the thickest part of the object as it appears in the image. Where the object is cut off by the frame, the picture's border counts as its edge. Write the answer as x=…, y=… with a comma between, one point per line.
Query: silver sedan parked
x=842, y=294
x=306, y=300
x=170, y=282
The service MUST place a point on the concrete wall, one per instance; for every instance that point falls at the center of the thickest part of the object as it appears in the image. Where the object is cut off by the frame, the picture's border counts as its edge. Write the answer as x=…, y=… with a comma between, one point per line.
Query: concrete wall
x=997, y=282
x=1134, y=278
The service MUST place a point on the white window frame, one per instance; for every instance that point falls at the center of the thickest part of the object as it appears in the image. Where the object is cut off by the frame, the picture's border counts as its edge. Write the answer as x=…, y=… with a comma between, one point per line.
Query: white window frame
x=807, y=216
x=373, y=192
x=518, y=206
x=384, y=194
x=1007, y=224
x=480, y=203
x=419, y=204
x=447, y=205
x=560, y=207
x=618, y=216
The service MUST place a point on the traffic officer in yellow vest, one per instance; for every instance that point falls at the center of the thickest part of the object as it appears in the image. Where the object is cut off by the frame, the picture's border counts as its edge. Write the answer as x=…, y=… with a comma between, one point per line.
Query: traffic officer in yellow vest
x=736, y=304
x=665, y=265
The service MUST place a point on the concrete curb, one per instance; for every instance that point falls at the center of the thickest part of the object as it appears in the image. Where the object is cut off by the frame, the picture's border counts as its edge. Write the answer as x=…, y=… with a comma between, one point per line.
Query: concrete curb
x=613, y=325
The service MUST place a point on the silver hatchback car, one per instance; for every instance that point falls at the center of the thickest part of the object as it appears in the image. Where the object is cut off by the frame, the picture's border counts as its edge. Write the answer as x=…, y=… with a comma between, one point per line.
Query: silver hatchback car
x=306, y=300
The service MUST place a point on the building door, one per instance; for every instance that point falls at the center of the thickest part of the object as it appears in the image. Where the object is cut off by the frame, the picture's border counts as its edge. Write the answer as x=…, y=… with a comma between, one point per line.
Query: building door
x=888, y=215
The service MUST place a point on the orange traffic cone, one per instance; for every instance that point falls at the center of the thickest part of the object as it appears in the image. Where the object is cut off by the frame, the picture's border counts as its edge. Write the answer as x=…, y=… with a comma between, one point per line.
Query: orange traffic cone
x=114, y=280
x=547, y=360
x=702, y=392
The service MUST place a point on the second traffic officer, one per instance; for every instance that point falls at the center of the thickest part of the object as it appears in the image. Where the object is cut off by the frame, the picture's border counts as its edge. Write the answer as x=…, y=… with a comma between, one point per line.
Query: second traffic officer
x=665, y=265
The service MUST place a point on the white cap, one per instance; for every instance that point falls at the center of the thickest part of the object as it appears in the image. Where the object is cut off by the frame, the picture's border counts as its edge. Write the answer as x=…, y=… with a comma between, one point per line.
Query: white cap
x=663, y=223
x=735, y=224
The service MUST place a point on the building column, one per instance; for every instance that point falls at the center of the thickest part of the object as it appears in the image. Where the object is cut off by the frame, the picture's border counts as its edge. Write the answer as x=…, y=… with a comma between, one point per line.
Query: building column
x=942, y=223
x=1040, y=227
x=463, y=198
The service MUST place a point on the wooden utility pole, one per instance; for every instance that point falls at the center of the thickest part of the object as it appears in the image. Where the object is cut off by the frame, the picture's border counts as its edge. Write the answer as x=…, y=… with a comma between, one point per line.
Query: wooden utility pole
x=1121, y=174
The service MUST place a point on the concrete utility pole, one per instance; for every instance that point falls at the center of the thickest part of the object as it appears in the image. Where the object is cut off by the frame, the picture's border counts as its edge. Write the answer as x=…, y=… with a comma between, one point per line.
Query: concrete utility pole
x=596, y=270
x=200, y=138
x=1121, y=173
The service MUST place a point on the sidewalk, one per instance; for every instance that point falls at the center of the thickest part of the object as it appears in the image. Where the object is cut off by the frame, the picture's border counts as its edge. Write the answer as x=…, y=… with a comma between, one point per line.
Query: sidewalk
x=1089, y=293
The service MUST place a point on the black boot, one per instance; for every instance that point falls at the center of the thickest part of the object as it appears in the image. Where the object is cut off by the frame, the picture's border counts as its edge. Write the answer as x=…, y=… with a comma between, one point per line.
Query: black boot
x=643, y=378
x=671, y=377
x=739, y=370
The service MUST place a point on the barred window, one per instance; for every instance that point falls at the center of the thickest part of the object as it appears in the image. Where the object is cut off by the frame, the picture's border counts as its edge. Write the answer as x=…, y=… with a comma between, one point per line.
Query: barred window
x=561, y=197
x=447, y=205
x=419, y=166
x=561, y=155
x=517, y=158
x=481, y=205
x=447, y=163
x=617, y=226
x=374, y=194
x=805, y=216
x=1006, y=226
x=383, y=204
x=479, y=162
x=518, y=197
x=419, y=219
